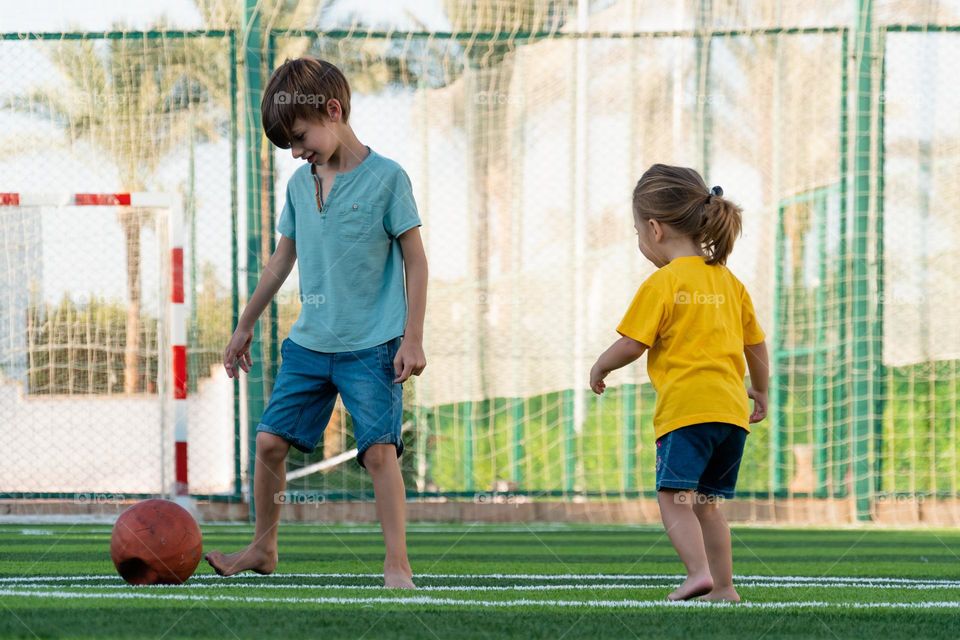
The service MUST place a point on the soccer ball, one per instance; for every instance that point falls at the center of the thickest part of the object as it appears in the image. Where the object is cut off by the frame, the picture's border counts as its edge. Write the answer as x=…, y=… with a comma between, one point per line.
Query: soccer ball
x=156, y=542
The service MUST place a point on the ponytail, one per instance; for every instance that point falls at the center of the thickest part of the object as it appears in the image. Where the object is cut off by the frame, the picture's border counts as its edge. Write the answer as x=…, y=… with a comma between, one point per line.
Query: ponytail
x=720, y=226
x=678, y=197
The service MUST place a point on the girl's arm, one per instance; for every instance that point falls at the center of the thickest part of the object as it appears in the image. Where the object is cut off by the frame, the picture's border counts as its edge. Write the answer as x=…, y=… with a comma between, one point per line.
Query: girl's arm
x=620, y=354
x=759, y=365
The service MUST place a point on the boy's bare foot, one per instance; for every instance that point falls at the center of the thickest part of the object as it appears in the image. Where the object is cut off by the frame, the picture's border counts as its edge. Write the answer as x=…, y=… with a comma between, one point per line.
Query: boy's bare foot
x=250, y=559
x=693, y=586
x=398, y=577
x=726, y=594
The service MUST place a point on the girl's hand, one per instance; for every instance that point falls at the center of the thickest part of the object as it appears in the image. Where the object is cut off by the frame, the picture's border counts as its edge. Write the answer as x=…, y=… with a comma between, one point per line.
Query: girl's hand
x=409, y=360
x=596, y=380
x=759, y=404
x=237, y=354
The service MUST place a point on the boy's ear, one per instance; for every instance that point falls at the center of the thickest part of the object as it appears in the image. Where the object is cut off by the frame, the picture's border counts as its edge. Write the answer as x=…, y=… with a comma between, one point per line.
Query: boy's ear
x=334, y=110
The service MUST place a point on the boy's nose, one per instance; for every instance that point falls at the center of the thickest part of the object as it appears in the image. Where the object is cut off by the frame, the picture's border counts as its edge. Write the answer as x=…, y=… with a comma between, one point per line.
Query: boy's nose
x=297, y=152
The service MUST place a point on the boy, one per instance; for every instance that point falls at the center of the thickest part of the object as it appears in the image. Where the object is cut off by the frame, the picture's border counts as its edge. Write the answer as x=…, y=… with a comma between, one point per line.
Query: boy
x=351, y=220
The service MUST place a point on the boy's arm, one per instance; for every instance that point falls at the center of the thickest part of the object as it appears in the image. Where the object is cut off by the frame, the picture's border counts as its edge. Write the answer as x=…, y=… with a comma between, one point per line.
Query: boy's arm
x=759, y=366
x=274, y=274
x=410, y=359
x=620, y=354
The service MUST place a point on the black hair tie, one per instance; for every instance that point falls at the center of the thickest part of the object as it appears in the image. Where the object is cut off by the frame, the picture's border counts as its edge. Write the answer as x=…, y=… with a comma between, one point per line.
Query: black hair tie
x=716, y=191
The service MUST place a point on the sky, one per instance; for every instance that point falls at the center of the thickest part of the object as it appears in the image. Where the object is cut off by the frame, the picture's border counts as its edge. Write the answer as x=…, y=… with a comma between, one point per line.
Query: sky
x=58, y=15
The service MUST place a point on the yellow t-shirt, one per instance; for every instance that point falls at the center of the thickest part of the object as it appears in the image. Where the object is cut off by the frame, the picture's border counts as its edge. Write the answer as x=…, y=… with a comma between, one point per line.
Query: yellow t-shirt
x=695, y=319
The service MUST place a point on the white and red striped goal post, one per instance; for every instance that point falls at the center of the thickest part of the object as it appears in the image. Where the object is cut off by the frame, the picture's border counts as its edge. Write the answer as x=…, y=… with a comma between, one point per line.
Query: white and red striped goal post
x=178, y=317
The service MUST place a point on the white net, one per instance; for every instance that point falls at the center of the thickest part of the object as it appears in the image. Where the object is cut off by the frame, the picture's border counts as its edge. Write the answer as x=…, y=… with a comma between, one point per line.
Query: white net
x=83, y=401
x=115, y=112
x=524, y=127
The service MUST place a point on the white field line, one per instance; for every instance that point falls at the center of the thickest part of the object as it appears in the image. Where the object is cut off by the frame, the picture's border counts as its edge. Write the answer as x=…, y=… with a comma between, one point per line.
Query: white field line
x=230, y=584
x=7, y=526
x=626, y=579
x=599, y=576
x=451, y=602
x=15, y=524
x=36, y=532
x=487, y=528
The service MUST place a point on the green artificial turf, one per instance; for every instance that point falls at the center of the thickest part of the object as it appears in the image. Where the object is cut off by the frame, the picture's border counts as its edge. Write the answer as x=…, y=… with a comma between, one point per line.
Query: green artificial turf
x=488, y=581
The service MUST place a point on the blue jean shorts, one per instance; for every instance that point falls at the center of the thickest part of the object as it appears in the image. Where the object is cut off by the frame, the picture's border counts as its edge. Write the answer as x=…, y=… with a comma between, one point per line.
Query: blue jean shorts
x=704, y=457
x=306, y=389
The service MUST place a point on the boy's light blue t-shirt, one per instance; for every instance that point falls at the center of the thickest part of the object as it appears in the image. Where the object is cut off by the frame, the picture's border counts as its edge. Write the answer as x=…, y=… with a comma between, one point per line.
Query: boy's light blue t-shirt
x=351, y=267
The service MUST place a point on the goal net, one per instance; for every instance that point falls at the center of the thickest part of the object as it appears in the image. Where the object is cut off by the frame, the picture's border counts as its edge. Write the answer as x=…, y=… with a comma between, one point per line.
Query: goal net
x=92, y=347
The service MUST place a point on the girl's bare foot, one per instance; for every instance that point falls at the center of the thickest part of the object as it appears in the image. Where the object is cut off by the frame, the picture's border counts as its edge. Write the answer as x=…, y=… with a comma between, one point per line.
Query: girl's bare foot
x=693, y=586
x=398, y=576
x=725, y=594
x=252, y=558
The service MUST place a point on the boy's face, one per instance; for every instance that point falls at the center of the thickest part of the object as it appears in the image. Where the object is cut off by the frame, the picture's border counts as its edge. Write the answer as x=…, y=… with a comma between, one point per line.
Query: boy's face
x=313, y=140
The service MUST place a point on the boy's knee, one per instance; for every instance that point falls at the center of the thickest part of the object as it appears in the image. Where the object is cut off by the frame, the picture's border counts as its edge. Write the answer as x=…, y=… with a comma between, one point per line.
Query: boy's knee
x=705, y=506
x=271, y=447
x=378, y=456
x=682, y=498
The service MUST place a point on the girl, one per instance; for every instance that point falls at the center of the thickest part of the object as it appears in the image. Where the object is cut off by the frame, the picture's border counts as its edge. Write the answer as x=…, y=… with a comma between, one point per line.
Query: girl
x=697, y=321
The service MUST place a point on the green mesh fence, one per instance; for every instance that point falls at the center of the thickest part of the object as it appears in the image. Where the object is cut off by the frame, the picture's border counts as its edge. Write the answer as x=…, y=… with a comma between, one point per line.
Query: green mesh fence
x=524, y=127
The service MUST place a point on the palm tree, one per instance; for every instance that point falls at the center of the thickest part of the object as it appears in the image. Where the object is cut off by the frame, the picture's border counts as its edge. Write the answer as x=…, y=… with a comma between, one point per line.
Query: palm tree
x=135, y=100
x=490, y=63
x=129, y=99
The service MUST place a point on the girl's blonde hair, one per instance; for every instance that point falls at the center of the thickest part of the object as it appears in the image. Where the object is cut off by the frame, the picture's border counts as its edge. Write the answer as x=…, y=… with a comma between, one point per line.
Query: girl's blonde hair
x=678, y=196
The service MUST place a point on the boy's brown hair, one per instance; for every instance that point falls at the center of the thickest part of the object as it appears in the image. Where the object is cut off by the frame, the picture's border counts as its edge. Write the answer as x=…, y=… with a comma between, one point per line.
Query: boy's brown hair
x=299, y=88
x=678, y=196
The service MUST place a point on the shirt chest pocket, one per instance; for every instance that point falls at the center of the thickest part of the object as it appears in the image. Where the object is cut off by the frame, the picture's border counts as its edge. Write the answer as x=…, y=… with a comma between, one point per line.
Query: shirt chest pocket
x=354, y=220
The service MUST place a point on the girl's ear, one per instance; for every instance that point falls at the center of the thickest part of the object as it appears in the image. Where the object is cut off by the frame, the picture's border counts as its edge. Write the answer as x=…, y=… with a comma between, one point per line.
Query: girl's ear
x=656, y=229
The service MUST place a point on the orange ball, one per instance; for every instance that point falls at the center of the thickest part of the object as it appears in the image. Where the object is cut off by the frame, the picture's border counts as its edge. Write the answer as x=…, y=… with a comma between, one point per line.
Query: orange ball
x=156, y=542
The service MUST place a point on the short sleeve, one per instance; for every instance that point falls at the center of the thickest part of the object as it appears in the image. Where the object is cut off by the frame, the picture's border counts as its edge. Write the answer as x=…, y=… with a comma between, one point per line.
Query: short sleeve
x=752, y=333
x=287, y=225
x=401, y=213
x=645, y=318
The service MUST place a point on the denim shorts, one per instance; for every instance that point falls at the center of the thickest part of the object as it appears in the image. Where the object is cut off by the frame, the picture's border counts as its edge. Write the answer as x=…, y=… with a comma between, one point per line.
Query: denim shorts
x=306, y=389
x=705, y=457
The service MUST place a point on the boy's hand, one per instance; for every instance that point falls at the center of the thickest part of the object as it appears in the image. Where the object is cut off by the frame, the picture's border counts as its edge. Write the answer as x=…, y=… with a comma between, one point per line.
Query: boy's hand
x=409, y=360
x=237, y=354
x=759, y=405
x=596, y=380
